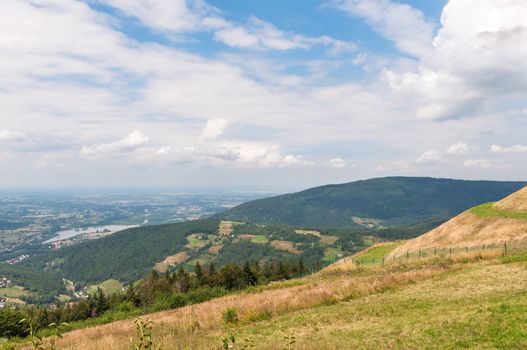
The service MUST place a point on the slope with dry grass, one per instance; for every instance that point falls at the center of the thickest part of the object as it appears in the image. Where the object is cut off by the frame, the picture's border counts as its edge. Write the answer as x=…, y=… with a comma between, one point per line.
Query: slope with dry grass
x=201, y=326
x=487, y=224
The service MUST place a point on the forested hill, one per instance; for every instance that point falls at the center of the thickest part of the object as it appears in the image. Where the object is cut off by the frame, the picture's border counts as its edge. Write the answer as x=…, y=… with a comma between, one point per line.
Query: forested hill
x=126, y=255
x=387, y=202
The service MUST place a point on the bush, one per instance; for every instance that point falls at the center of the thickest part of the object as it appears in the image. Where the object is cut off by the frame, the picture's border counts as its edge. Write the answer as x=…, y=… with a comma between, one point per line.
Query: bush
x=230, y=316
x=204, y=294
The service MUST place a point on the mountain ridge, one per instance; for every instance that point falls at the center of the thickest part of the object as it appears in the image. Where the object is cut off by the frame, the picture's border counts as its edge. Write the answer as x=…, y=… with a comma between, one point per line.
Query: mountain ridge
x=380, y=202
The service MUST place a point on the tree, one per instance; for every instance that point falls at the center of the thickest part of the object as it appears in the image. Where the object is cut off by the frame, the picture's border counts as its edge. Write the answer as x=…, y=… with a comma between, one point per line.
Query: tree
x=249, y=276
x=199, y=274
x=101, y=301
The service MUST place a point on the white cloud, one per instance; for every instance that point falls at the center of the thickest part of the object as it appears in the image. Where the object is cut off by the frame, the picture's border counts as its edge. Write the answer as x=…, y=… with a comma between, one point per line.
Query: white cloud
x=129, y=143
x=234, y=153
x=11, y=135
x=359, y=59
x=459, y=148
x=258, y=34
x=171, y=15
x=477, y=164
x=213, y=129
x=477, y=64
x=512, y=149
x=429, y=157
x=406, y=26
x=337, y=163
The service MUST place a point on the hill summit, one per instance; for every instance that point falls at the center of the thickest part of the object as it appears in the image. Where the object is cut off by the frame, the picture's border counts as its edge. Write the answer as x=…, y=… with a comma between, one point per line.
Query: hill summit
x=486, y=224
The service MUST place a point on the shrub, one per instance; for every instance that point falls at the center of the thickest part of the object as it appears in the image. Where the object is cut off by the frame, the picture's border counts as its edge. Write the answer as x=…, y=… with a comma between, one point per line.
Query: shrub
x=230, y=316
x=201, y=295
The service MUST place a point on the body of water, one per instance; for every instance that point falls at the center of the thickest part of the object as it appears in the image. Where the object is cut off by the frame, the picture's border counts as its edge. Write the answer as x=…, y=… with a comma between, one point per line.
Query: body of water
x=79, y=231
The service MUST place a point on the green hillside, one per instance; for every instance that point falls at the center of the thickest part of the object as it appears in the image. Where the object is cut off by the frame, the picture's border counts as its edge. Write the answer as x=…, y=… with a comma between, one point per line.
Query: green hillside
x=375, y=203
x=129, y=255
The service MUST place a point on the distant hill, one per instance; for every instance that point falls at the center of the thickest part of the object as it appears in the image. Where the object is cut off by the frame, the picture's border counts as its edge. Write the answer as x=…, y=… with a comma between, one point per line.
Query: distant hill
x=486, y=224
x=376, y=203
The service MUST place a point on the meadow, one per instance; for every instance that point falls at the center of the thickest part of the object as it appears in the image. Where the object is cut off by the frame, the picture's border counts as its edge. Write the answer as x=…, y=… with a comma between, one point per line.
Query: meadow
x=465, y=300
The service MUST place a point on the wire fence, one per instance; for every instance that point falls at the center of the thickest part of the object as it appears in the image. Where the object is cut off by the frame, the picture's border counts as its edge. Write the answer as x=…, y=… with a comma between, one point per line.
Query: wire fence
x=506, y=248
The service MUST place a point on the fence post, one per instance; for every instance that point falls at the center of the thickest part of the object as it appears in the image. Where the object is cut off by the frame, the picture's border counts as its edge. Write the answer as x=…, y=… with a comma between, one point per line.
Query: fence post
x=394, y=258
x=483, y=247
x=450, y=250
x=505, y=248
x=407, y=254
x=383, y=260
x=373, y=260
x=466, y=249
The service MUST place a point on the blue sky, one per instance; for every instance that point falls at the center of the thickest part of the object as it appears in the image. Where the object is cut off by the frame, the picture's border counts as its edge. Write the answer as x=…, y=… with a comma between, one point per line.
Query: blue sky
x=260, y=94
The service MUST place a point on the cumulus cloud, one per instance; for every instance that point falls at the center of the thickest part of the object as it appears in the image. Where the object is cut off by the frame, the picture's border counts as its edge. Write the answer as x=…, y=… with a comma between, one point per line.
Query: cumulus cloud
x=477, y=164
x=129, y=143
x=11, y=135
x=429, y=157
x=512, y=149
x=459, y=148
x=213, y=129
x=337, y=163
x=477, y=63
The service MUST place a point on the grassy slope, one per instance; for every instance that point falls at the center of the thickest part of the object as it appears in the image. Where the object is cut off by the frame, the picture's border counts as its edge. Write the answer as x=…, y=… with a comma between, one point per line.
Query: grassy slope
x=487, y=210
x=376, y=253
x=486, y=224
x=447, y=303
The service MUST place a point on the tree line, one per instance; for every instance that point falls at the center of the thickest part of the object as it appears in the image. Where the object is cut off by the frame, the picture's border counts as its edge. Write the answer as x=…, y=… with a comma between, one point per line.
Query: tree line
x=155, y=292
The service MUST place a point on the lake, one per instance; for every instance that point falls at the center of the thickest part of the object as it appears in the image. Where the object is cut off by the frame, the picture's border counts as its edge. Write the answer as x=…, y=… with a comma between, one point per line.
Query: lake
x=79, y=231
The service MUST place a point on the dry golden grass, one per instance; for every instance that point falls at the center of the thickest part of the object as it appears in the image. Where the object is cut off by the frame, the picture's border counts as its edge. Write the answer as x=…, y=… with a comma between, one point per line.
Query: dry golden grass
x=199, y=326
x=308, y=232
x=470, y=230
x=178, y=258
x=215, y=249
x=516, y=201
x=247, y=236
x=467, y=230
x=285, y=246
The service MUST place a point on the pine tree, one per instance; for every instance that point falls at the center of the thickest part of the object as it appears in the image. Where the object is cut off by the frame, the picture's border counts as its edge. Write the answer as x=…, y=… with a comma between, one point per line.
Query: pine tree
x=249, y=275
x=199, y=274
x=101, y=301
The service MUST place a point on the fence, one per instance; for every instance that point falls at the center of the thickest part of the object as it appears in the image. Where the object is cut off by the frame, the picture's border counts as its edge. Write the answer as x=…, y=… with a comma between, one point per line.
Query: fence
x=510, y=247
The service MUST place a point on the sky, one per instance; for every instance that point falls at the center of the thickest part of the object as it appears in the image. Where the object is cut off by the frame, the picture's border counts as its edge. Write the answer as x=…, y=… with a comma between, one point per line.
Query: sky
x=256, y=94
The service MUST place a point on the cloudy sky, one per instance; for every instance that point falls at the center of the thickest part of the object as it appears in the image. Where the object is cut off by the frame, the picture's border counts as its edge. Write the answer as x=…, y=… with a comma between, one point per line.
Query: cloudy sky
x=260, y=94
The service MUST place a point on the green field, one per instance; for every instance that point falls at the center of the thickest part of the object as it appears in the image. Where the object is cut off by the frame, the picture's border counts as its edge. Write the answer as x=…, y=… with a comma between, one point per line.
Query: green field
x=331, y=255
x=487, y=210
x=108, y=287
x=195, y=242
x=375, y=254
x=260, y=239
x=14, y=292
